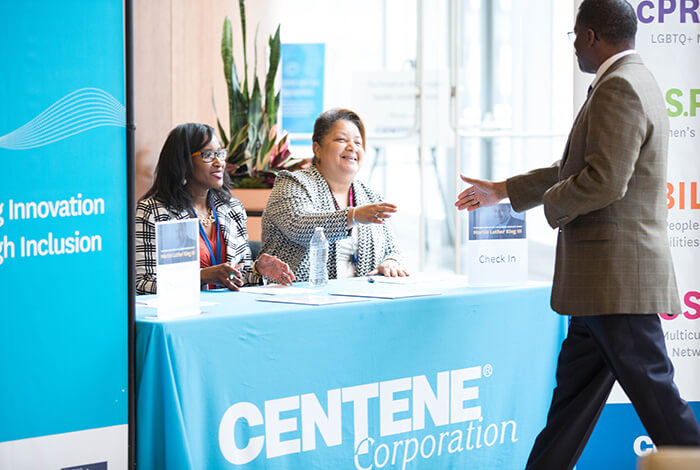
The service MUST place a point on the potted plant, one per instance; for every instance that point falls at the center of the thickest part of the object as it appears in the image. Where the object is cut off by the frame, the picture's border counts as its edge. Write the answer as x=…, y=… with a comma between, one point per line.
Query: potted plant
x=256, y=148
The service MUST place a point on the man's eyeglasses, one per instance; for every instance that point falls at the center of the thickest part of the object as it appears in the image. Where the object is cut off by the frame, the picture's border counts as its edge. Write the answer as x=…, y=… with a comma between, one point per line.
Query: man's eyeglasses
x=208, y=156
x=572, y=35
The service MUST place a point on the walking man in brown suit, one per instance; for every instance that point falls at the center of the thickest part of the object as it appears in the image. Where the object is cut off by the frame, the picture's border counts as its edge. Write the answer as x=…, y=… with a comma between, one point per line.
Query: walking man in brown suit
x=613, y=273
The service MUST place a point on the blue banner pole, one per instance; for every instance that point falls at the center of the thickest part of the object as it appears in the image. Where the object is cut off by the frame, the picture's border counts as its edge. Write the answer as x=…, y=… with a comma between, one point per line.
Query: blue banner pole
x=131, y=216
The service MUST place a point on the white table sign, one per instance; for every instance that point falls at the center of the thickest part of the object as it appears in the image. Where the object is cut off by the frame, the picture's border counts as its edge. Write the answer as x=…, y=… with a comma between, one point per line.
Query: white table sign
x=497, y=247
x=177, y=257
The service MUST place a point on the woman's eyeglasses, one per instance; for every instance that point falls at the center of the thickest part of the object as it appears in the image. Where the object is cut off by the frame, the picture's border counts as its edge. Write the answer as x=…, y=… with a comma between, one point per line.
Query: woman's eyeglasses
x=208, y=156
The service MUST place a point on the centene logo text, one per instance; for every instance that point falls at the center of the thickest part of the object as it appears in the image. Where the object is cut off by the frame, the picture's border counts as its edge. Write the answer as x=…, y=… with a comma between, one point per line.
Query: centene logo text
x=648, y=10
x=643, y=445
x=446, y=405
x=690, y=300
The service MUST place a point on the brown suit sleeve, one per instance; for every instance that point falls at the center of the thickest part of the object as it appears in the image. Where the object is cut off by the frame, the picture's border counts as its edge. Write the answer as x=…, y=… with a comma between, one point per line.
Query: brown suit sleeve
x=616, y=129
x=527, y=190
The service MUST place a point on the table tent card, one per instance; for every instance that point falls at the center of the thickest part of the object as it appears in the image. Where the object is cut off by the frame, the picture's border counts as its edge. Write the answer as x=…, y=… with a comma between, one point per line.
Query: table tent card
x=497, y=247
x=177, y=255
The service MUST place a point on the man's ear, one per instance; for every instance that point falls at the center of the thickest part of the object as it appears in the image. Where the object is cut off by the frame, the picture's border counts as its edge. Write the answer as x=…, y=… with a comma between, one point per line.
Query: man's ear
x=590, y=37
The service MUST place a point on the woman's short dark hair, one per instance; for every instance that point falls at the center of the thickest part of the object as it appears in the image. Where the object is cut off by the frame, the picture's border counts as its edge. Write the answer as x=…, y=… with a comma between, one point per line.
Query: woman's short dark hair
x=175, y=166
x=326, y=119
x=615, y=21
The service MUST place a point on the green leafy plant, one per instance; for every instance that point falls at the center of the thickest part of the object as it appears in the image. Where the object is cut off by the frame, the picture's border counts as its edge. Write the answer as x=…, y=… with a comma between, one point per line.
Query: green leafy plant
x=256, y=150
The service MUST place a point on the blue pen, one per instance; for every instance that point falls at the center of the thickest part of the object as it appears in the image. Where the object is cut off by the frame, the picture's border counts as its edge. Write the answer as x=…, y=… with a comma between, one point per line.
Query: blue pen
x=370, y=279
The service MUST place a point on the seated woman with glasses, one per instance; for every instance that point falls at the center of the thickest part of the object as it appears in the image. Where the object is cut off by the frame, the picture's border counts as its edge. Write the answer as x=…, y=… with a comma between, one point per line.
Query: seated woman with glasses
x=191, y=182
x=327, y=195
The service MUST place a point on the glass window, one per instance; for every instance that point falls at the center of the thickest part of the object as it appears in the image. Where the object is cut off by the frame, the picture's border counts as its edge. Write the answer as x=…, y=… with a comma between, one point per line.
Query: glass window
x=508, y=68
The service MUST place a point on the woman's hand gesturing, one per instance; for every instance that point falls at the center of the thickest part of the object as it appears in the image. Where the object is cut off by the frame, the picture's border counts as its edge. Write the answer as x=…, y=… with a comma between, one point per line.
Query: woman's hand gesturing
x=275, y=269
x=374, y=213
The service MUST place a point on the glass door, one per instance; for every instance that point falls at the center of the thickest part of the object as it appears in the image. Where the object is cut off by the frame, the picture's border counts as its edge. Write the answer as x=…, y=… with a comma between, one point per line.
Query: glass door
x=479, y=87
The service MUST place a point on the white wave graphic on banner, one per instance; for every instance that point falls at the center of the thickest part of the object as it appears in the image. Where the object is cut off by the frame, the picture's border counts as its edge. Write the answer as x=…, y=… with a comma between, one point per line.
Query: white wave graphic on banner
x=77, y=112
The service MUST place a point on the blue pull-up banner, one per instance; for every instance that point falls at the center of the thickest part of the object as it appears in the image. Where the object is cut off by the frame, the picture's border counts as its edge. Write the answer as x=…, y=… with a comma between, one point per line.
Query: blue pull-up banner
x=303, y=69
x=63, y=236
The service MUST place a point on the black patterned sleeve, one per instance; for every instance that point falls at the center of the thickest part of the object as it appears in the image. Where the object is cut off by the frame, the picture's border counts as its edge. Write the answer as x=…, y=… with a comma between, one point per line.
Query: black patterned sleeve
x=145, y=238
x=292, y=209
x=236, y=236
x=391, y=250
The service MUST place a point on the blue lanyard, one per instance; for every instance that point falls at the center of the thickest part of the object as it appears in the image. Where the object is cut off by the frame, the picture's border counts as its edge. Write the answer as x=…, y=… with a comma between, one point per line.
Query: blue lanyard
x=215, y=257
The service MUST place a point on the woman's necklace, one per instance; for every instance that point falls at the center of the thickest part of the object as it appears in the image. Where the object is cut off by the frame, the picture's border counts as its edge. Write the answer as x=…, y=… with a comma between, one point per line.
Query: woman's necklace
x=207, y=219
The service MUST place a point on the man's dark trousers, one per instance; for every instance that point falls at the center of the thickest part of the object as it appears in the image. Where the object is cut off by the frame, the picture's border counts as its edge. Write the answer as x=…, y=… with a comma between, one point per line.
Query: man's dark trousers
x=598, y=350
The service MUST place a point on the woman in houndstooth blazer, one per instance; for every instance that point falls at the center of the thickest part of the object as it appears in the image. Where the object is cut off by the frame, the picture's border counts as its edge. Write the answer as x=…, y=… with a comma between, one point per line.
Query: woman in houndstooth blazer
x=190, y=182
x=326, y=195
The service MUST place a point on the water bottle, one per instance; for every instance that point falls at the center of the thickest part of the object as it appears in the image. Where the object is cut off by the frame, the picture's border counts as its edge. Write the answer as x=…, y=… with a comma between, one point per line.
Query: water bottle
x=318, y=258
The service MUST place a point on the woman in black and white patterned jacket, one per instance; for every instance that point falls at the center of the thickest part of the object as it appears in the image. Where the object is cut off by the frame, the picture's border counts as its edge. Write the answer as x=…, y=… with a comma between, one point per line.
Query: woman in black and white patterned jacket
x=327, y=195
x=191, y=181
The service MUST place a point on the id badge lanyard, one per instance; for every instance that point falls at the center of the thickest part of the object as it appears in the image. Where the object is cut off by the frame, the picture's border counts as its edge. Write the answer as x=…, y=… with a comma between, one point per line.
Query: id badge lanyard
x=351, y=200
x=215, y=257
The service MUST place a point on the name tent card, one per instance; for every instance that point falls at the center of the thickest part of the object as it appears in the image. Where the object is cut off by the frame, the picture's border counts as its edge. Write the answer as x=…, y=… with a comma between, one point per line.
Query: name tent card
x=177, y=257
x=497, y=247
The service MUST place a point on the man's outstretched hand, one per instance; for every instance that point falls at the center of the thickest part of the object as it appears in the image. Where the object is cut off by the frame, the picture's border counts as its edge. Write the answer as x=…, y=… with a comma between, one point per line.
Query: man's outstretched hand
x=481, y=193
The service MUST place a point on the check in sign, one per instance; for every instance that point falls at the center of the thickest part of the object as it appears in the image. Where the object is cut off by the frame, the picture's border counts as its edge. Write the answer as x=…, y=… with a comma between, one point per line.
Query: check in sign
x=497, y=251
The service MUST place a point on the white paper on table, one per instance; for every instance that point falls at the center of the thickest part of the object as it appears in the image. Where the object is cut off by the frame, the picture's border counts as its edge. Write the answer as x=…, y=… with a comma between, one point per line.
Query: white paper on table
x=444, y=281
x=413, y=279
x=430, y=281
x=277, y=289
x=310, y=299
x=385, y=292
x=153, y=303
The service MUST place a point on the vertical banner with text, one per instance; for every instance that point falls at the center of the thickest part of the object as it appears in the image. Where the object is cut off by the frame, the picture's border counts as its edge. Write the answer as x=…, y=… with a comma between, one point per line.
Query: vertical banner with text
x=668, y=39
x=303, y=70
x=63, y=236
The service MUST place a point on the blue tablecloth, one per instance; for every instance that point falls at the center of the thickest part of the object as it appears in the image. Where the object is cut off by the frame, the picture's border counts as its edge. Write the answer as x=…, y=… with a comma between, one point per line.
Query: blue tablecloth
x=459, y=380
